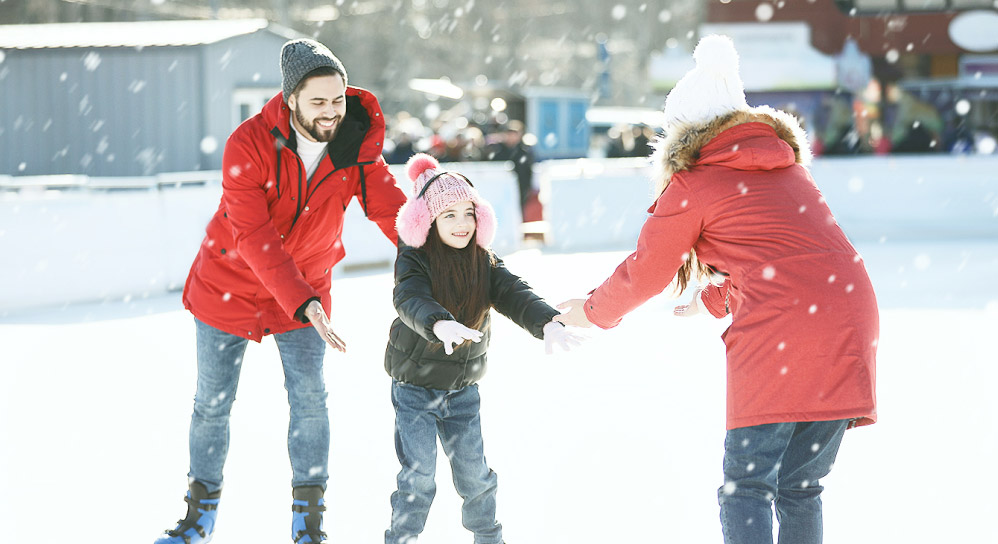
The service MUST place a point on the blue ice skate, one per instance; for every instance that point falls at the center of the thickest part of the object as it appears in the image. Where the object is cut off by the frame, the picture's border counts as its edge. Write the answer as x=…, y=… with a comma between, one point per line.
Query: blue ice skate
x=198, y=526
x=306, y=517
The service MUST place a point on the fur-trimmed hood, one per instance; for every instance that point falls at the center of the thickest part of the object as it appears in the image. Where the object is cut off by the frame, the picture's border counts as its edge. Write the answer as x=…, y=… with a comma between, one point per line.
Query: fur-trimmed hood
x=679, y=149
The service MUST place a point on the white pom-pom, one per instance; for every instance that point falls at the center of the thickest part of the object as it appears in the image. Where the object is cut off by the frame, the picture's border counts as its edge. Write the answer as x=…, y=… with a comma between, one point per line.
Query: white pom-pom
x=716, y=53
x=419, y=163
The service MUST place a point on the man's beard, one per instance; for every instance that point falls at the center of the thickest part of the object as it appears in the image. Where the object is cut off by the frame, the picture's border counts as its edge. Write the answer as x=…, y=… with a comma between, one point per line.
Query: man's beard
x=317, y=133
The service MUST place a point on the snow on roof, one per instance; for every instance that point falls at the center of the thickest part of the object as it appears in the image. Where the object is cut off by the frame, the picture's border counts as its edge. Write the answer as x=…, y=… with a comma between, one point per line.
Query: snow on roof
x=131, y=34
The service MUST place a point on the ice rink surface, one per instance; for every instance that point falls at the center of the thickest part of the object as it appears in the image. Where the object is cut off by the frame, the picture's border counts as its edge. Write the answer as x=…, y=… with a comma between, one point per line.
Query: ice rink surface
x=618, y=442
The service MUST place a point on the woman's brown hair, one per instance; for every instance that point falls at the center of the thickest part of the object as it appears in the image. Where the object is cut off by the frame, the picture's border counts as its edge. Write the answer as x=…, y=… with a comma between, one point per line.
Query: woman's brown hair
x=459, y=278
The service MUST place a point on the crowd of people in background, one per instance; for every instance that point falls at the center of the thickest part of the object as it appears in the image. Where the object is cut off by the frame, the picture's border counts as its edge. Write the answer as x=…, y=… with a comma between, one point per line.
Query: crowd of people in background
x=501, y=143
x=843, y=124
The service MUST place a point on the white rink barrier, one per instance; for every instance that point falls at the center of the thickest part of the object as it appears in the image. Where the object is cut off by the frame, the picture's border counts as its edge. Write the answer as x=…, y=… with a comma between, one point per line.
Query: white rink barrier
x=597, y=204
x=67, y=239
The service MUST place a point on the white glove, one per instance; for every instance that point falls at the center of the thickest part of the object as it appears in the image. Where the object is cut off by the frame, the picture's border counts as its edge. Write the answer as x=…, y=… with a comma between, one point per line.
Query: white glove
x=452, y=333
x=556, y=333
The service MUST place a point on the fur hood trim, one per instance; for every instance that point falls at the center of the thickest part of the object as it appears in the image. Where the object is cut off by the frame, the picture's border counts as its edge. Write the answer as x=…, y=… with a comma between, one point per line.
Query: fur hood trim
x=680, y=148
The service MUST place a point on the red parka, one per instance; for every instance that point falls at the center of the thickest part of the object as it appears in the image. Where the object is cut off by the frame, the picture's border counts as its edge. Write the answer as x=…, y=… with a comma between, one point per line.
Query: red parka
x=275, y=238
x=803, y=337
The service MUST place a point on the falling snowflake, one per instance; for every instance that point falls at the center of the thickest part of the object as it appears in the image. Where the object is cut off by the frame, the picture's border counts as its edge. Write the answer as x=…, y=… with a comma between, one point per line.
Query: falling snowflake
x=855, y=184
x=618, y=12
x=209, y=145
x=764, y=12
x=226, y=297
x=91, y=61
x=768, y=273
x=729, y=488
x=922, y=261
x=892, y=56
x=815, y=447
x=812, y=309
x=664, y=16
x=962, y=107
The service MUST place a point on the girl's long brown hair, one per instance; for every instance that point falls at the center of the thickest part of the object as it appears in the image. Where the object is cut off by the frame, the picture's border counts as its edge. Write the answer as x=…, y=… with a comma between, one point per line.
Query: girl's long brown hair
x=459, y=278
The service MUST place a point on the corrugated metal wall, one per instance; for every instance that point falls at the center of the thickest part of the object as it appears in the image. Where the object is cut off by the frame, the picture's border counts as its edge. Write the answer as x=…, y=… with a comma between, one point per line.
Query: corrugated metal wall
x=243, y=62
x=127, y=111
x=100, y=111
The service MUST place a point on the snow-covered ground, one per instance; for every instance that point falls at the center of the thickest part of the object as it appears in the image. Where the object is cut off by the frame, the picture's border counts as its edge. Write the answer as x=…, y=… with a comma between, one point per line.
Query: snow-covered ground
x=618, y=442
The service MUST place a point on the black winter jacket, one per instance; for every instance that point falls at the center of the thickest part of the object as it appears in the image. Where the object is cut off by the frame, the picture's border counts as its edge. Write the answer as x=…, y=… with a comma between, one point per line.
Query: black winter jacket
x=409, y=358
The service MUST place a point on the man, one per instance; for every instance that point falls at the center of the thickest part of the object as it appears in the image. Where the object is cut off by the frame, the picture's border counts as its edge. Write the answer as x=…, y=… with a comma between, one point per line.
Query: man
x=264, y=267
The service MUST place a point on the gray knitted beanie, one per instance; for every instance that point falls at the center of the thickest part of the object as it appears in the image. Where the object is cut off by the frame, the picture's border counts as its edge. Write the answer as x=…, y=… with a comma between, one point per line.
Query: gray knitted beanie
x=301, y=56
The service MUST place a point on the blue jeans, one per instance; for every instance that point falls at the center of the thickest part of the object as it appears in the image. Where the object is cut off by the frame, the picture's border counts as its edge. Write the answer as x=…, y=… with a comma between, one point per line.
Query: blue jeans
x=420, y=415
x=220, y=357
x=778, y=463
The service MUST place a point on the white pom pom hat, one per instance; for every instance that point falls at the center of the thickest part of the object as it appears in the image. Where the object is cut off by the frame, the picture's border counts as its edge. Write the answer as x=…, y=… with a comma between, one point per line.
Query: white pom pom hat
x=711, y=89
x=435, y=190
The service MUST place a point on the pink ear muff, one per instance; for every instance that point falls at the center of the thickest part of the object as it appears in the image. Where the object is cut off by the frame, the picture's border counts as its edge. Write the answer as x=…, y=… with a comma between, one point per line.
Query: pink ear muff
x=485, y=218
x=413, y=222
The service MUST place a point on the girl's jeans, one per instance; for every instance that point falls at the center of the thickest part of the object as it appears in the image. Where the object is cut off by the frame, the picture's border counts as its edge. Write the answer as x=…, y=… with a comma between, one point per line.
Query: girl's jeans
x=220, y=357
x=778, y=463
x=420, y=415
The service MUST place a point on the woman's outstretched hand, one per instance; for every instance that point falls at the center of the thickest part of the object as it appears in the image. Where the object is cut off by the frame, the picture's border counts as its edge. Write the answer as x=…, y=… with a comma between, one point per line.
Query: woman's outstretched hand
x=693, y=308
x=575, y=316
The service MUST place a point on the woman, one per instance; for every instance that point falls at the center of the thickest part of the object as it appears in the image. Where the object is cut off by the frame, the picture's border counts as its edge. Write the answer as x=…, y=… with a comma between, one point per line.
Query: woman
x=737, y=203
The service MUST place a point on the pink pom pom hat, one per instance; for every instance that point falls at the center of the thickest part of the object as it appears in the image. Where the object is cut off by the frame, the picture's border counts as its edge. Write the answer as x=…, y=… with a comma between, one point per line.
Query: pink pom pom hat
x=435, y=190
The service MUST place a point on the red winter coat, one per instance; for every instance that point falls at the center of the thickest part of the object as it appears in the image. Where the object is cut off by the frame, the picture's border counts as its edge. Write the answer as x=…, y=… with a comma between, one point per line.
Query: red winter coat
x=803, y=337
x=275, y=238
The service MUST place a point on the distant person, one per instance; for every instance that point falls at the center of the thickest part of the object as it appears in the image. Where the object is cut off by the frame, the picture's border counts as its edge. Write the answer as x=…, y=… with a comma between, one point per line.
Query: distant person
x=264, y=268
x=918, y=126
x=403, y=149
x=737, y=204
x=446, y=282
x=512, y=148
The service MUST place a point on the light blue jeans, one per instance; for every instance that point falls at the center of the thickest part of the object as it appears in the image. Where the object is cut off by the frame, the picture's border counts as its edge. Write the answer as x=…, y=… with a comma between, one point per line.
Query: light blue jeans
x=777, y=464
x=421, y=415
x=220, y=357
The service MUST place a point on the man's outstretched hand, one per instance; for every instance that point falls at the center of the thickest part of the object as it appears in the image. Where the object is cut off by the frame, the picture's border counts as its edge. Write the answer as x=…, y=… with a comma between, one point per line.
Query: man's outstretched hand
x=320, y=321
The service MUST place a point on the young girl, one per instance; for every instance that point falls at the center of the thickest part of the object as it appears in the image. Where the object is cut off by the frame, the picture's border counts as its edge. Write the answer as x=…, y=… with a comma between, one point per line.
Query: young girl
x=446, y=281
